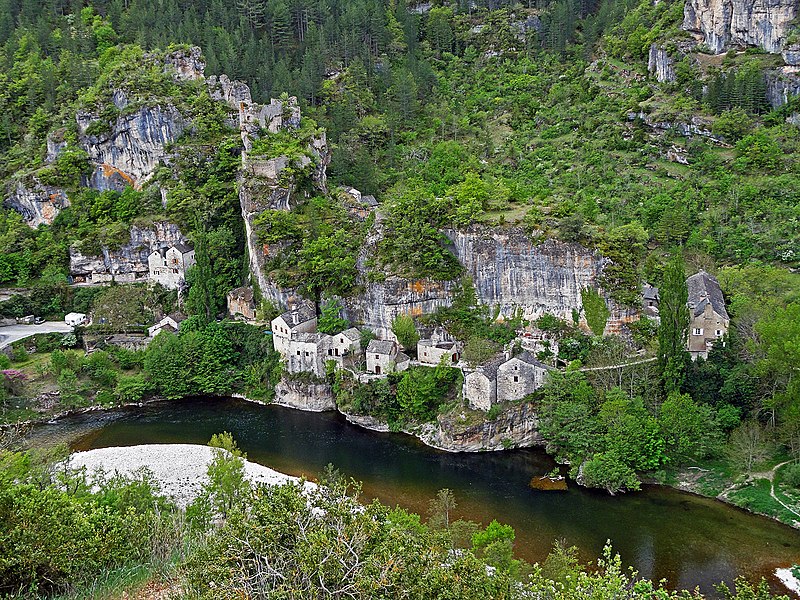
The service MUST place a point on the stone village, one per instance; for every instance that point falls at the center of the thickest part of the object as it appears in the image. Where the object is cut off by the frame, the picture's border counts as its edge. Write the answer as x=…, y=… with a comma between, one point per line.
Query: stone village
x=507, y=377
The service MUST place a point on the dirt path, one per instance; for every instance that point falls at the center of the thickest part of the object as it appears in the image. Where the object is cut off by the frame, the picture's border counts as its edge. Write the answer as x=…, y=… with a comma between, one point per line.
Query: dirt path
x=771, y=477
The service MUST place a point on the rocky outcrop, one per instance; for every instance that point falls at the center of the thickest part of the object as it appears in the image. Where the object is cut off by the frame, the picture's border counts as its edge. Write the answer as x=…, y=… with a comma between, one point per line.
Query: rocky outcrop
x=36, y=202
x=127, y=263
x=129, y=152
x=302, y=395
x=185, y=64
x=724, y=23
x=782, y=85
x=660, y=64
x=509, y=271
x=515, y=427
x=791, y=55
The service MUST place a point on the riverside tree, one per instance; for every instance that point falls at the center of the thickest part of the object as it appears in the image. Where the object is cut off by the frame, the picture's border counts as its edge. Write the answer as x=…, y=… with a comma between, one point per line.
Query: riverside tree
x=673, y=329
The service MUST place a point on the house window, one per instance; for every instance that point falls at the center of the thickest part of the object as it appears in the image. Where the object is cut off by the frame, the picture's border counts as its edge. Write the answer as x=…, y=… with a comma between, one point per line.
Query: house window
x=330, y=352
x=298, y=353
x=718, y=332
x=516, y=379
x=377, y=356
x=697, y=331
x=306, y=353
x=337, y=352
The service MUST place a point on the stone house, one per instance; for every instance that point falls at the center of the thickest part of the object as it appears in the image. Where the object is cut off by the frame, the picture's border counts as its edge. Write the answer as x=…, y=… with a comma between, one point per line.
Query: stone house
x=504, y=379
x=344, y=347
x=172, y=323
x=242, y=304
x=384, y=356
x=480, y=386
x=301, y=319
x=306, y=352
x=708, y=319
x=168, y=265
x=520, y=376
x=431, y=352
x=650, y=300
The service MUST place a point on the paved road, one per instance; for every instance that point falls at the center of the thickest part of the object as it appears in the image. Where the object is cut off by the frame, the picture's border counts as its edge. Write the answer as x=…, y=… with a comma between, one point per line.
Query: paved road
x=13, y=333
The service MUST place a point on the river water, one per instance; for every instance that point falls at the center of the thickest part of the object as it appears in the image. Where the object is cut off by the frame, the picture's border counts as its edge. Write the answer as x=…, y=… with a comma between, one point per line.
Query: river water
x=664, y=534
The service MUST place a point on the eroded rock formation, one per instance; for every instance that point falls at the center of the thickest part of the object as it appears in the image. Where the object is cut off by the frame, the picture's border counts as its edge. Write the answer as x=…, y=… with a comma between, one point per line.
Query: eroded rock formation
x=129, y=152
x=36, y=202
x=724, y=23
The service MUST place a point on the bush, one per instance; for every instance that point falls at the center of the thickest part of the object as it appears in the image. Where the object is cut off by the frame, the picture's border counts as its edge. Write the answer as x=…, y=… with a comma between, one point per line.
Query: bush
x=791, y=475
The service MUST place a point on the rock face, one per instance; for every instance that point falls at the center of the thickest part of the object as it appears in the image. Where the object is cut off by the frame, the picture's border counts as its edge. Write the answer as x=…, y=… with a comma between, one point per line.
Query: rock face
x=134, y=146
x=314, y=397
x=509, y=271
x=36, y=202
x=516, y=427
x=128, y=263
x=660, y=64
x=722, y=23
x=782, y=85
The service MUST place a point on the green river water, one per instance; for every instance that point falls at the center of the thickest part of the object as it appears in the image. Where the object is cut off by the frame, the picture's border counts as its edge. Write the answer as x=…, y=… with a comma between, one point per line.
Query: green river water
x=665, y=534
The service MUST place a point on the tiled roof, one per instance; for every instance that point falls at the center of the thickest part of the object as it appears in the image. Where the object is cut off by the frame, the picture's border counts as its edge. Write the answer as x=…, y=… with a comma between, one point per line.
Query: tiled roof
x=183, y=247
x=704, y=289
x=381, y=347
x=301, y=314
x=352, y=334
x=529, y=358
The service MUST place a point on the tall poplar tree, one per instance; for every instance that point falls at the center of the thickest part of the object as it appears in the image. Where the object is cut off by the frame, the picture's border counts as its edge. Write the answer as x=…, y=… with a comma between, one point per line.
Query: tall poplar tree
x=673, y=330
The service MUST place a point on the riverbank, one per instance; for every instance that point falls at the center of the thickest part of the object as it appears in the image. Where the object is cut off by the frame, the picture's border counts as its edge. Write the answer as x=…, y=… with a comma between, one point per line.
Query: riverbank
x=472, y=435
x=180, y=470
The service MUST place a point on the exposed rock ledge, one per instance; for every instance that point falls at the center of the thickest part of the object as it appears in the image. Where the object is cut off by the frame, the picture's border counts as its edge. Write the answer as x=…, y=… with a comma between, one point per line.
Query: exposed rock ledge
x=179, y=469
x=516, y=427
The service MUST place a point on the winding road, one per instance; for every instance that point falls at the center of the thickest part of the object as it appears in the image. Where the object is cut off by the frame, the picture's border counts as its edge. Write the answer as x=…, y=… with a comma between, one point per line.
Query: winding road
x=13, y=333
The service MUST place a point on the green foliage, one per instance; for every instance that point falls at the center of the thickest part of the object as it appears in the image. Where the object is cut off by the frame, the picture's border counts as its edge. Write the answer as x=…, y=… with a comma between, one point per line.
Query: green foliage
x=595, y=309
x=404, y=328
x=624, y=246
x=607, y=471
x=673, y=328
x=689, y=429
x=331, y=321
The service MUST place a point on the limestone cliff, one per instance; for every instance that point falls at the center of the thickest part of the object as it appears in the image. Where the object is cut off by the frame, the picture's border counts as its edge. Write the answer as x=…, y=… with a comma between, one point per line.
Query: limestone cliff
x=724, y=23
x=134, y=145
x=36, y=202
x=127, y=263
x=660, y=64
x=509, y=271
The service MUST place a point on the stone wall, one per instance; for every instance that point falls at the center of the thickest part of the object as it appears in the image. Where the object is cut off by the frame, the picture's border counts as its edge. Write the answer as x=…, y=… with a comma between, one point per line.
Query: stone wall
x=314, y=397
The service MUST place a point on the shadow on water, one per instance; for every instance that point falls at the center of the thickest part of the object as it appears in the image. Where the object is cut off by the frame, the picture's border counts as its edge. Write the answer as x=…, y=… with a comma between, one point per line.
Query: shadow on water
x=664, y=534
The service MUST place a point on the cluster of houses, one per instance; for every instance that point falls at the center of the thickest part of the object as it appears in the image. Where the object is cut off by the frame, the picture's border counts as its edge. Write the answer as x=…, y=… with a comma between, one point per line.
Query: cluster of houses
x=505, y=378
x=304, y=349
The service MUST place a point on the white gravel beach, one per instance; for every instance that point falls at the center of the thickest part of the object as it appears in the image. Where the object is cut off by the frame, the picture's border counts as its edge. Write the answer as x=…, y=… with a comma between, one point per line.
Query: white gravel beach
x=180, y=469
x=789, y=580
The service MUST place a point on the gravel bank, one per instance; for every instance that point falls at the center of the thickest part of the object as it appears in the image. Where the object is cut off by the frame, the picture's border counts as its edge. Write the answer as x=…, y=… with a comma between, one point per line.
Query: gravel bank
x=180, y=469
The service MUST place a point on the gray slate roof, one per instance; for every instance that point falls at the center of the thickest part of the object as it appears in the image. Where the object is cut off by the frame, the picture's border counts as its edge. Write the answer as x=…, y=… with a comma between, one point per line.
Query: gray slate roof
x=704, y=289
x=178, y=317
x=352, y=334
x=301, y=314
x=381, y=347
x=490, y=368
x=529, y=358
x=183, y=247
x=242, y=293
x=649, y=292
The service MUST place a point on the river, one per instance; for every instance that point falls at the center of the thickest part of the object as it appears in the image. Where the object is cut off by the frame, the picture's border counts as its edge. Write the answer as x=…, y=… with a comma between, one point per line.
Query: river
x=665, y=534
